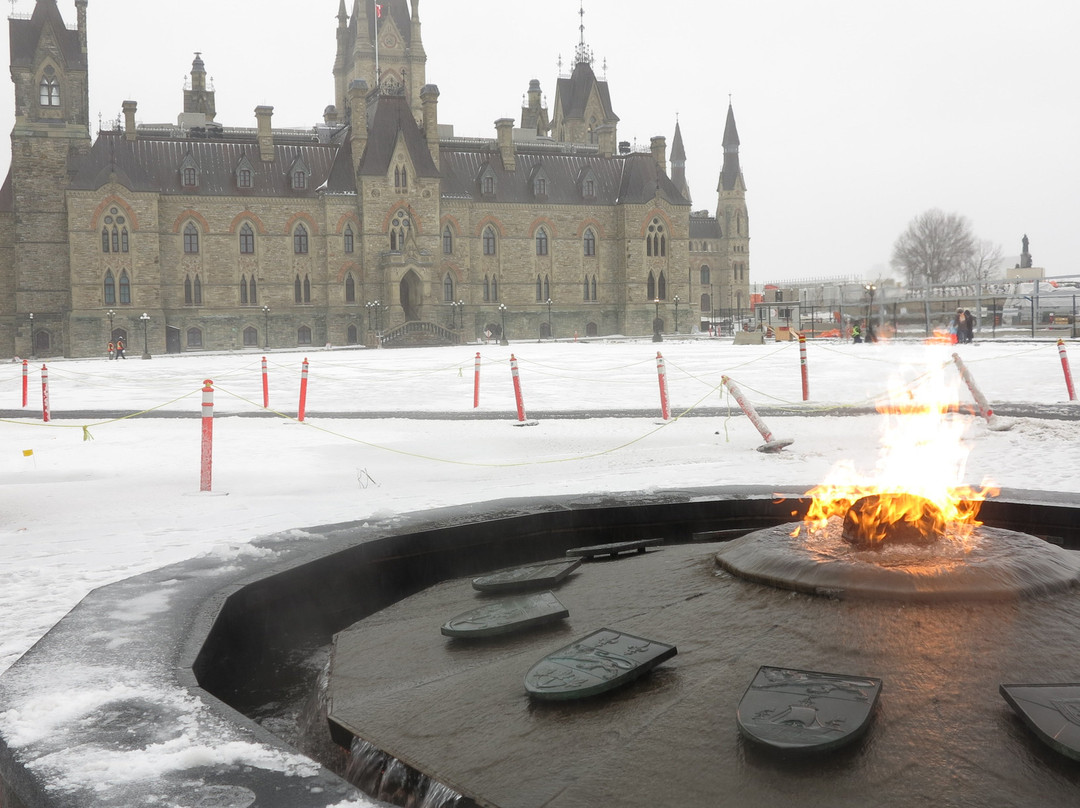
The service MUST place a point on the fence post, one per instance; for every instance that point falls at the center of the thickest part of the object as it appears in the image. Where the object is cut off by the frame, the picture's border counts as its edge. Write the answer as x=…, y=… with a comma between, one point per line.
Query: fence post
x=303, y=390
x=207, y=456
x=661, y=372
x=44, y=393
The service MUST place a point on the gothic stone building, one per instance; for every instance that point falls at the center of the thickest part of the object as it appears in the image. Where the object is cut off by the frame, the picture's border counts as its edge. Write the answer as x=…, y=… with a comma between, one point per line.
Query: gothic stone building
x=376, y=221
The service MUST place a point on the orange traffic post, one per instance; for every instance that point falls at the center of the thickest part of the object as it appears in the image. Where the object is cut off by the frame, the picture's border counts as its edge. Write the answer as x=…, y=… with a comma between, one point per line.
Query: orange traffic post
x=44, y=393
x=661, y=372
x=207, y=456
x=303, y=390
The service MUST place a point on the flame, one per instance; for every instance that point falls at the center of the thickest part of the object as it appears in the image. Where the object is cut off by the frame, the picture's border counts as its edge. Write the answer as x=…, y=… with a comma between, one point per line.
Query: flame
x=922, y=457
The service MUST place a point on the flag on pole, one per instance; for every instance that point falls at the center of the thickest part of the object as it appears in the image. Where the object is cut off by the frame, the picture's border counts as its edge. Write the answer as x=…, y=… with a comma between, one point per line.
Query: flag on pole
x=378, y=10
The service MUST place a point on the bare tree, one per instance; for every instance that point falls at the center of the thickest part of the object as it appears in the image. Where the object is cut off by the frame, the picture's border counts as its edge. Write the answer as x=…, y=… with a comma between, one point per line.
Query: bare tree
x=936, y=248
x=984, y=262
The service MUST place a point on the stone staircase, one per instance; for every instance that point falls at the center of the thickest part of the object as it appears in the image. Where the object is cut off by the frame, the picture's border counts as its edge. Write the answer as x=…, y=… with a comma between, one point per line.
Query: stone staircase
x=420, y=333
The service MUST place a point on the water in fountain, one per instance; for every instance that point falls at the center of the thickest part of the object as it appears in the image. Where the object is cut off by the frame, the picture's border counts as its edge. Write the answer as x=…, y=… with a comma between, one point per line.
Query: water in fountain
x=385, y=778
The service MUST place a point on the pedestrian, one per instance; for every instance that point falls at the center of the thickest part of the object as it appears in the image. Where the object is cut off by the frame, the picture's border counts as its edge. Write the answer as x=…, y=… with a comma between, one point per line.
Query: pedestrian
x=969, y=326
x=856, y=333
x=112, y=355
x=120, y=349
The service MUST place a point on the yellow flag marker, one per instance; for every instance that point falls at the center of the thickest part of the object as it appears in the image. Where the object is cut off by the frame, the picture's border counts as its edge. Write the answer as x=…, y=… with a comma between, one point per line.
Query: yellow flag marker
x=27, y=452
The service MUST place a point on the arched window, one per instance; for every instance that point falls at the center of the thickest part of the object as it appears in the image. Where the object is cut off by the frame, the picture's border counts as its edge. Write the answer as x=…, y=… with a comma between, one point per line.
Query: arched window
x=397, y=178
x=123, y=240
x=253, y=291
x=300, y=240
x=594, y=288
x=350, y=289
x=251, y=337
x=307, y=289
x=191, y=239
x=299, y=180
x=706, y=275
x=243, y=290
x=398, y=228
x=188, y=297
x=539, y=289
x=448, y=289
x=494, y=289
x=194, y=338
x=448, y=241
x=50, y=91
x=243, y=178
x=541, y=242
x=298, y=290
x=489, y=241
x=125, y=289
x=105, y=240
x=197, y=285
x=303, y=335
x=110, y=289
x=585, y=289
x=115, y=239
x=589, y=243
x=352, y=335
x=547, y=288
x=247, y=240
x=656, y=240
x=349, y=240
x=661, y=287
x=650, y=287
x=487, y=289
x=489, y=186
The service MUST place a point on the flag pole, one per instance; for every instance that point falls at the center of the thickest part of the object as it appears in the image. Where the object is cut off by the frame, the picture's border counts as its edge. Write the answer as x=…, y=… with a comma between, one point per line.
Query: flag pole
x=376, y=5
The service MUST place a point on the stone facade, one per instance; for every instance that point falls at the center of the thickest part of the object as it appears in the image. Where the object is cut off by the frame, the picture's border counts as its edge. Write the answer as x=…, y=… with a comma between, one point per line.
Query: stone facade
x=379, y=216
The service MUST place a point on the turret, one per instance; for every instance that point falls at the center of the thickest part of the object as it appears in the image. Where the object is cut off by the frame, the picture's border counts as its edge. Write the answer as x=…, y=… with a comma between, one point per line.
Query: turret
x=430, y=98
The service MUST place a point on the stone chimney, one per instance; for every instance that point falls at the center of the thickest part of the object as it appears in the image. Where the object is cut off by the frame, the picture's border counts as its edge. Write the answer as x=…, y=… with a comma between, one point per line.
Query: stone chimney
x=659, y=152
x=266, y=134
x=504, y=128
x=606, y=136
x=130, y=132
x=358, y=133
x=429, y=95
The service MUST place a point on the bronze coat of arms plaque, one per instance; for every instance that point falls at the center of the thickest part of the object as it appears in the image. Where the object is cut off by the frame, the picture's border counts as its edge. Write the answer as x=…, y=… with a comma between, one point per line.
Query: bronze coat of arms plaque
x=614, y=549
x=599, y=662
x=805, y=710
x=1051, y=711
x=531, y=576
x=507, y=616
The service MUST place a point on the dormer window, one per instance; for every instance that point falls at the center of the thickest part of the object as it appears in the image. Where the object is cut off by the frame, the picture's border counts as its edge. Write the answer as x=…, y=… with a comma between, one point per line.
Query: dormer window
x=401, y=179
x=540, y=186
x=540, y=183
x=243, y=178
x=299, y=181
x=590, y=189
x=489, y=185
x=50, y=88
x=191, y=178
x=189, y=172
x=487, y=181
x=299, y=175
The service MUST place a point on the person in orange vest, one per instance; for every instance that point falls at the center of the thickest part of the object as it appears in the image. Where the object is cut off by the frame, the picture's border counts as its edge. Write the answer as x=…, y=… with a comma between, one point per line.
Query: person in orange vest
x=111, y=354
x=120, y=349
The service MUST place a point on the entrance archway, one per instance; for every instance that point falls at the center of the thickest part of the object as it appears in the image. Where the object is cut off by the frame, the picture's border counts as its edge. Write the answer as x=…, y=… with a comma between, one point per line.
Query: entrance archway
x=411, y=296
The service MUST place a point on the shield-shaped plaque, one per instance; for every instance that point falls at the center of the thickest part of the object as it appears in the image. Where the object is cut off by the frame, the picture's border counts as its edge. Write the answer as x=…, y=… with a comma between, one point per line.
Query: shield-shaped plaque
x=602, y=661
x=507, y=616
x=1051, y=711
x=805, y=710
x=614, y=549
x=531, y=576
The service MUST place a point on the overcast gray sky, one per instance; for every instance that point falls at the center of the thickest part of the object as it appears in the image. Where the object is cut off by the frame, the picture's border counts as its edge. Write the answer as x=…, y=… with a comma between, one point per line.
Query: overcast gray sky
x=854, y=115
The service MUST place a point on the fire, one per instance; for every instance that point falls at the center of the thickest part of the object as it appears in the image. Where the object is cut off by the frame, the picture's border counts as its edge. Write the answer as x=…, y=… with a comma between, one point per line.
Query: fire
x=914, y=494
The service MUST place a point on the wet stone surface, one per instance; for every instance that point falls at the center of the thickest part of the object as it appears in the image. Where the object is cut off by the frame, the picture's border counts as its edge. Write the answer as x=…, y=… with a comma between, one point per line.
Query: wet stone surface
x=527, y=577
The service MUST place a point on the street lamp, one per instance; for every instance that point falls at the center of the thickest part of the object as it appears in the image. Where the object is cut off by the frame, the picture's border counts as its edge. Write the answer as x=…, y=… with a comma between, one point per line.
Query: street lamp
x=502, y=313
x=676, y=314
x=110, y=314
x=145, y=344
x=551, y=331
x=455, y=307
x=32, y=356
x=656, y=335
x=461, y=313
x=266, y=326
x=370, y=311
x=870, y=336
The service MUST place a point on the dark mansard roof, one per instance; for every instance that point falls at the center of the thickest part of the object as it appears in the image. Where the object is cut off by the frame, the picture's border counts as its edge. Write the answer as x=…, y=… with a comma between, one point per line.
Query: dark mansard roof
x=25, y=35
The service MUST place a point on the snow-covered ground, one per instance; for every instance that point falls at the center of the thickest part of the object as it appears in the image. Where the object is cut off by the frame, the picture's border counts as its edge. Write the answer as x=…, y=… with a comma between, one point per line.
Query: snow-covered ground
x=86, y=507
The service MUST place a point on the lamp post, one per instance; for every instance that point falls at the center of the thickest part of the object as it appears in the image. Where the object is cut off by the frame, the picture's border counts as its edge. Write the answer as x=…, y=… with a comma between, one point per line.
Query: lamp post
x=266, y=326
x=110, y=314
x=502, y=314
x=551, y=331
x=870, y=335
x=676, y=314
x=455, y=307
x=656, y=335
x=370, y=311
x=145, y=343
x=378, y=316
x=32, y=356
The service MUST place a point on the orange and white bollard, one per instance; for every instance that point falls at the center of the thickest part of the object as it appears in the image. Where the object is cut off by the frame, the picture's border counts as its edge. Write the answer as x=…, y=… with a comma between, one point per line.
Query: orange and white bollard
x=981, y=404
x=303, y=391
x=45, y=394
x=266, y=386
x=771, y=444
x=661, y=373
x=521, y=421
x=1065, y=367
x=206, y=462
x=476, y=383
x=805, y=371
x=25, y=380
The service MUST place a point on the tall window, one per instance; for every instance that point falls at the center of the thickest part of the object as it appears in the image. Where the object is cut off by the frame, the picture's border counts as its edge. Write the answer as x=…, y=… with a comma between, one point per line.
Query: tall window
x=589, y=243
x=661, y=287
x=350, y=289
x=706, y=275
x=448, y=289
x=115, y=239
x=448, y=241
x=243, y=178
x=303, y=335
x=547, y=288
x=541, y=242
x=539, y=290
x=110, y=289
x=650, y=287
x=540, y=186
x=253, y=291
x=656, y=240
x=298, y=290
x=489, y=241
x=585, y=289
x=190, y=177
x=188, y=297
x=191, y=239
x=489, y=186
x=307, y=289
x=123, y=240
x=243, y=290
x=105, y=240
x=494, y=288
x=398, y=228
x=594, y=297
x=251, y=337
x=50, y=91
x=198, y=290
x=590, y=188
x=487, y=289
x=247, y=240
x=349, y=241
x=401, y=179
x=300, y=240
x=299, y=180
x=125, y=289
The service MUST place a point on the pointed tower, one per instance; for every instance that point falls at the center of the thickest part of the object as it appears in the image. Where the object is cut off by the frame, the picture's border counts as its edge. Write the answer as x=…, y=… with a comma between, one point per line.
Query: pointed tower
x=732, y=214
x=583, y=102
x=678, y=163
x=51, y=134
x=198, y=99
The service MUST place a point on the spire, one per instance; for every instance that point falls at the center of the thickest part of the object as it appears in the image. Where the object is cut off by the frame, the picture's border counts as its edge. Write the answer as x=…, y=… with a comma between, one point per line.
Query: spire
x=343, y=15
x=678, y=162
x=731, y=172
x=583, y=53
